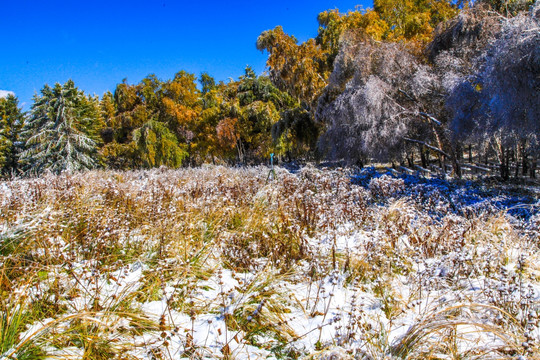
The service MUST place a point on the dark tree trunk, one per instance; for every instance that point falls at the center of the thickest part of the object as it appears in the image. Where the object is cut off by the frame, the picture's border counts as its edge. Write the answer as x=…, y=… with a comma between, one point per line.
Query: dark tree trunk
x=524, y=163
x=523, y=153
x=503, y=155
x=504, y=168
x=410, y=160
x=423, y=157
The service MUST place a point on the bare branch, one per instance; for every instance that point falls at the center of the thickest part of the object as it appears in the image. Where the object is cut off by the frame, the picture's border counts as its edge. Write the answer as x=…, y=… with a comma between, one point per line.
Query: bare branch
x=431, y=118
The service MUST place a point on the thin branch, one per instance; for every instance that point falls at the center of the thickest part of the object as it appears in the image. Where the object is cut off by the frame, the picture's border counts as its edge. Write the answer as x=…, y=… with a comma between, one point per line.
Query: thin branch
x=407, y=95
x=430, y=117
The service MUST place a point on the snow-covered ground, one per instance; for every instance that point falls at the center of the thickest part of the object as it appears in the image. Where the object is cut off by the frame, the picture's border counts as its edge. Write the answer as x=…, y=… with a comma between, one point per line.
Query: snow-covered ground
x=218, y=263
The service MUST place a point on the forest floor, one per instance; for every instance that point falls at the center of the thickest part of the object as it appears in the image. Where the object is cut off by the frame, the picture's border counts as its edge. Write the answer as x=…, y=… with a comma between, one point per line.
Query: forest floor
x=217, y=262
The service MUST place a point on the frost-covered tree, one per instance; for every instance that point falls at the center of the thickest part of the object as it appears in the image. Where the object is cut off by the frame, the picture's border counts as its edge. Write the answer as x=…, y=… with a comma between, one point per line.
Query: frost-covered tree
x=378, y=103
x=508, y=7
x=11, y=122
x=498, y=102
x=61, y=133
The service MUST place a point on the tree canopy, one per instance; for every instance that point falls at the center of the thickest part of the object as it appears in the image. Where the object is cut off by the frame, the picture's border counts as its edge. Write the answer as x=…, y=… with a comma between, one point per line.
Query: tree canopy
x=406, y=77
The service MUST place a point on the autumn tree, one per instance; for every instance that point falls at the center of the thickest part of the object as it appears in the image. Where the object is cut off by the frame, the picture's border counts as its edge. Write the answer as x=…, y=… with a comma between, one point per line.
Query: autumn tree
x=180, y=106
x=151, y=123
x=298, y=69
x=413, y=20
x=408, y=21
x=121, y=113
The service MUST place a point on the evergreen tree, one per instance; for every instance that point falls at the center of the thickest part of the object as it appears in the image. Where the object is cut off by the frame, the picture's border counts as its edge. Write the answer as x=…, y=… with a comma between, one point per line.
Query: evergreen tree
x=11, y=122
x=61, y=132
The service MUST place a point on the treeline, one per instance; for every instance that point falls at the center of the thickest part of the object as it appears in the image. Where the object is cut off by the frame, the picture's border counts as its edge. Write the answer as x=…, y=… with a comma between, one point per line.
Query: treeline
x=406, y=80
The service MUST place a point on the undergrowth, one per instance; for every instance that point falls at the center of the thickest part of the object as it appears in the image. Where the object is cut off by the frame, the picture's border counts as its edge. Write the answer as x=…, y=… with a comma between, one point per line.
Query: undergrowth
x=219, y=263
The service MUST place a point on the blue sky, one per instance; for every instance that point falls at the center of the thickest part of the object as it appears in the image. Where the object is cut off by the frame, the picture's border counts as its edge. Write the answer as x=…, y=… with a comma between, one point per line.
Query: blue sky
x=98, y=43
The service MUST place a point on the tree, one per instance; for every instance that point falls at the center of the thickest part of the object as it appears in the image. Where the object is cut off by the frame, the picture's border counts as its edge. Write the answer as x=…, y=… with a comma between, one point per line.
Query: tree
x=180, y=106
x=509, y=7
x=150, y=123
x=413, y=20
x=208, y=83
x=498, y=102
x=296, y=69
x=409, y=21
x=61, y=131
x=131, y=112
x=375, y=111
x=158, y=145
x=12, y=120
x=295, y=134
x=107, y=112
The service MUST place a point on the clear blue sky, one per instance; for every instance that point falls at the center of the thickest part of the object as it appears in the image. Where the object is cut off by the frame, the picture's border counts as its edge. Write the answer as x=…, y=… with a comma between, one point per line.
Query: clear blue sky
x=97, y=43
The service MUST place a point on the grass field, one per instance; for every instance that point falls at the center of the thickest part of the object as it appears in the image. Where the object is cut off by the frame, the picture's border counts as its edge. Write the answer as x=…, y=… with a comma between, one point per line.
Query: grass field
x=217, y=262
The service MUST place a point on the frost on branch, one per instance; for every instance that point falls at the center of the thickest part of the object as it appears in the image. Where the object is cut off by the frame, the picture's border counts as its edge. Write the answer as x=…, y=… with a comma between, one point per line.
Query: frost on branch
x=383, y=87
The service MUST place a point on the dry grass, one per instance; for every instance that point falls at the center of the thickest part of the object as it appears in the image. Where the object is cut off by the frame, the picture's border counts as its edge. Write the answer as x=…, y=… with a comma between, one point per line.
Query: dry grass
x=216, y=262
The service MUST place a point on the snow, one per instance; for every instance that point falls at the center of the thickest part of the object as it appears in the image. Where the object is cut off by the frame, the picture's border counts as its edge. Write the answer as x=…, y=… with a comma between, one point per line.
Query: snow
x=394, y=288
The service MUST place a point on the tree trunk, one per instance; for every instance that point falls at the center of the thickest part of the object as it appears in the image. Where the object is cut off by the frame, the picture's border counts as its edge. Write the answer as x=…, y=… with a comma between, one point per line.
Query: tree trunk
x=502, y=154
x=524, y=163
x=240, y=149
x=516, y=161
x=423, y=157
x=455, y=163
x=410, y=160
x=523, y=152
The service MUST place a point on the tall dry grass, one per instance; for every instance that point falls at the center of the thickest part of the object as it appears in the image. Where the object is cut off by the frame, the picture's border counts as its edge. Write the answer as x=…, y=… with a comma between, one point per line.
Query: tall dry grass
x=140, y=264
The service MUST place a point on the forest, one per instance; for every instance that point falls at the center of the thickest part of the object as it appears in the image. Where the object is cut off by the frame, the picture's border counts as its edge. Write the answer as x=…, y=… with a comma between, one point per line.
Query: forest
x=438, y=84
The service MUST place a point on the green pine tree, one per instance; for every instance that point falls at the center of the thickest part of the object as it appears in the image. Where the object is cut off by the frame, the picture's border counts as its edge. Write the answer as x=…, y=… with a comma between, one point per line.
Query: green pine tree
x=61, y=134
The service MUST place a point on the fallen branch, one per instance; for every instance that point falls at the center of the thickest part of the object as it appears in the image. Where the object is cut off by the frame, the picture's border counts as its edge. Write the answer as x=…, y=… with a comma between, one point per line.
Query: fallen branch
x=431, y=147
x=407, y=170
x=392, y=171
x=422, y=169
x=471, y=166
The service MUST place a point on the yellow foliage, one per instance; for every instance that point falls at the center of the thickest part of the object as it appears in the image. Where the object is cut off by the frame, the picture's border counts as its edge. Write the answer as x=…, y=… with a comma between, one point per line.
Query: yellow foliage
x=294, y=68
